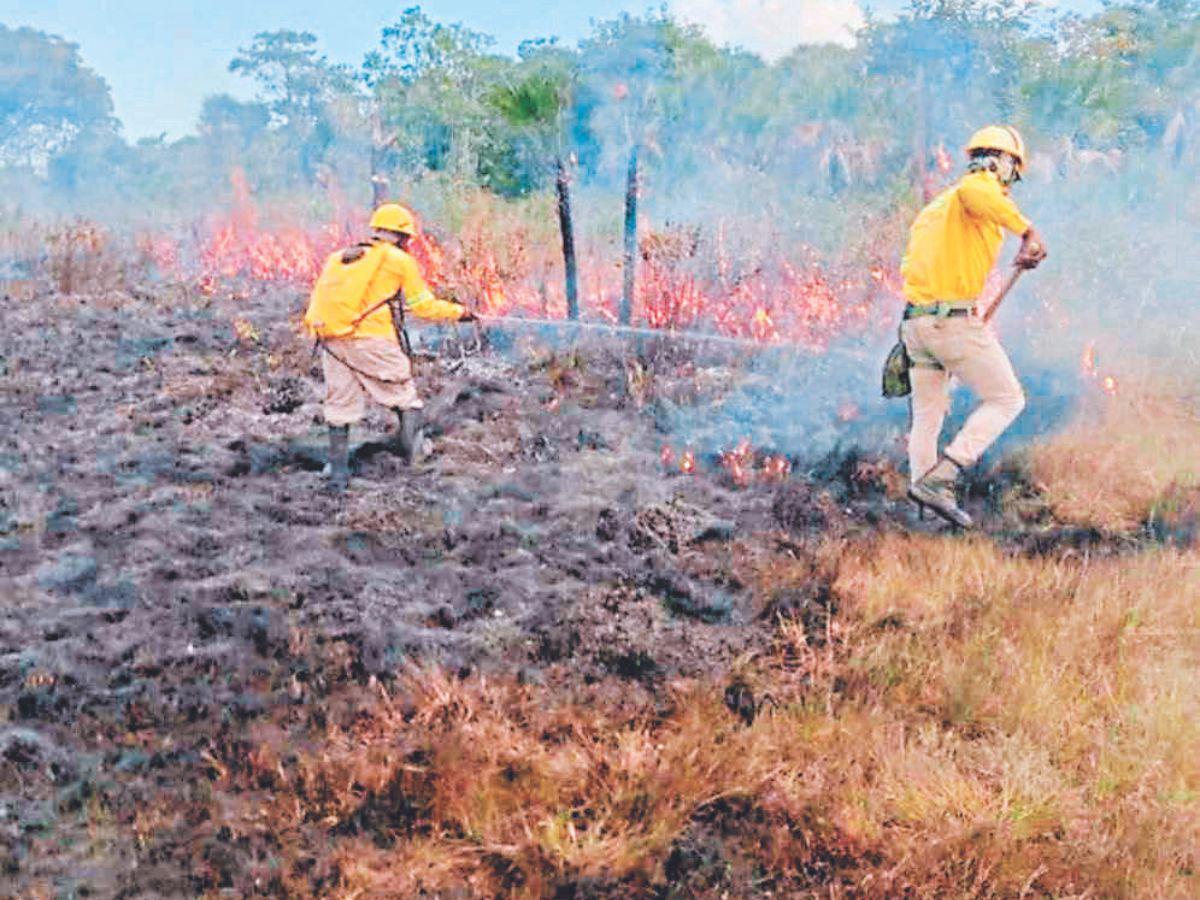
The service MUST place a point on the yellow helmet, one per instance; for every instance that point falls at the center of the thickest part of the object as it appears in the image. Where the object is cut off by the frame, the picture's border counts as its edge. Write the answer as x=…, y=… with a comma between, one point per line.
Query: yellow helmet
x=999, y=137
x=394, y=217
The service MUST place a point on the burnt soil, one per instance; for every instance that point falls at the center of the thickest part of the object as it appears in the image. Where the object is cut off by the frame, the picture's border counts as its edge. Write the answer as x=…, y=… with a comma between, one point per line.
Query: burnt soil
x=172, y=572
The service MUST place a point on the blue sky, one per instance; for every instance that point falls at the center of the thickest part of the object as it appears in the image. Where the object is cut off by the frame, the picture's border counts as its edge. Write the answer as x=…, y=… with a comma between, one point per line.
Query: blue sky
x=162, y=58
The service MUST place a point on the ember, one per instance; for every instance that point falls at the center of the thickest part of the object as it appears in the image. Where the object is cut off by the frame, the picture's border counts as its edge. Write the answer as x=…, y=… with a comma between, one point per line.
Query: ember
x=745, y=466
x=739, y=463
x=1107, y=383
x=686, y=462
x=776, y=468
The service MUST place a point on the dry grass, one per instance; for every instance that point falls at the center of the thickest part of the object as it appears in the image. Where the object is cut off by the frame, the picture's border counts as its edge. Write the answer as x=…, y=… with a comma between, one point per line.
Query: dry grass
x=1062, y=696
x=969, y=724
x=80, y=258
x=1124, y=460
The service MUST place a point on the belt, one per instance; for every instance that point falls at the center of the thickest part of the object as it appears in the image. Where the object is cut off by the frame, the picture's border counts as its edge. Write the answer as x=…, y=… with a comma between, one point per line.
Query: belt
x=941, y=310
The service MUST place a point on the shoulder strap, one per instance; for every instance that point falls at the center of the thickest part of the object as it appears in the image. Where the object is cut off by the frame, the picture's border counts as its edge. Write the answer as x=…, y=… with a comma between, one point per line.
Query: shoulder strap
x=355, y=253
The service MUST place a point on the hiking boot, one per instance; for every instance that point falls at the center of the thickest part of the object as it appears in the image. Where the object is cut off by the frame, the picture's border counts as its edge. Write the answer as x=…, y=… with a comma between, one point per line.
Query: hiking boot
x=407, y=441
x=936, y=490
x=337, y=471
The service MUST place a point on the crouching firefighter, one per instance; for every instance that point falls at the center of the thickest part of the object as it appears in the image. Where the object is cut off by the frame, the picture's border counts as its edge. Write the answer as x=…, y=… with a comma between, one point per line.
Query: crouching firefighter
x=953, y=245
x=356, y=313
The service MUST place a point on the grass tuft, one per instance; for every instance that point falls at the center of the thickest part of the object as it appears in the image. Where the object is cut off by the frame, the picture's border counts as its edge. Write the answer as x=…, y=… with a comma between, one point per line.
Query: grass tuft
x=967, y=723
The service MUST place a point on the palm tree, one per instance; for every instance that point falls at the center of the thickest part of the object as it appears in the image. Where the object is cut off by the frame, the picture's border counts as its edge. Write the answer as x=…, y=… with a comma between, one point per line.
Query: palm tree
x=537, y=105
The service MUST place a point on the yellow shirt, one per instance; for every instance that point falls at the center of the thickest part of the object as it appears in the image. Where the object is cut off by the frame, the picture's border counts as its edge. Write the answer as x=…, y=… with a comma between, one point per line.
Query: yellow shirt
x=346, y=290
x=955, y=240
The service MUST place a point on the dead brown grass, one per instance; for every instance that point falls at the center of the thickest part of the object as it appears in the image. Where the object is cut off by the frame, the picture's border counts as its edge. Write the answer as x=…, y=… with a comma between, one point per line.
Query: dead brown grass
x=80, y=258
x=968, y=724
x=1124, y=459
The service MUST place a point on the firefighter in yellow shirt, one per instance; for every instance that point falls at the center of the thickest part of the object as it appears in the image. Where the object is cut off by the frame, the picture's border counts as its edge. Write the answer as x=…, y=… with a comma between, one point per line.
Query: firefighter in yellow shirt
x=953, y=245
x=351, y=315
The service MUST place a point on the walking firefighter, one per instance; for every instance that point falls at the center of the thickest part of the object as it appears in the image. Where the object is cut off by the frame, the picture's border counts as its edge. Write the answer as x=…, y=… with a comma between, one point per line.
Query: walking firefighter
x=356, y=313
x=953, y=245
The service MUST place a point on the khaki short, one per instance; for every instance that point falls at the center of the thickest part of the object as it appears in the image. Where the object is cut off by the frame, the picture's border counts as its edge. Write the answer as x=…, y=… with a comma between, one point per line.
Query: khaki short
x=356, y=368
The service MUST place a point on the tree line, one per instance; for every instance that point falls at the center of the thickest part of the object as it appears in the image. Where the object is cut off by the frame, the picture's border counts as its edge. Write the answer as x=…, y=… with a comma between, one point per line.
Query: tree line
x=641, y=97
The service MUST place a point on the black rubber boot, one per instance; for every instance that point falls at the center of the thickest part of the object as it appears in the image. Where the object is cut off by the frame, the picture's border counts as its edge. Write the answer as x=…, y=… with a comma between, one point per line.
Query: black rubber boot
x=408, y=434
x=338, y=469
x=936, y=489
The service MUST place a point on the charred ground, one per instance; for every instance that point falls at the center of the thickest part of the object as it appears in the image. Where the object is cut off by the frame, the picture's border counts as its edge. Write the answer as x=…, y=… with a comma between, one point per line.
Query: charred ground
x=175, y=580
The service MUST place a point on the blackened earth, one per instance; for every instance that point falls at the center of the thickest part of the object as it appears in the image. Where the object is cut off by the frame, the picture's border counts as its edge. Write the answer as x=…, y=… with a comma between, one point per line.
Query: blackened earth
x=171, y=571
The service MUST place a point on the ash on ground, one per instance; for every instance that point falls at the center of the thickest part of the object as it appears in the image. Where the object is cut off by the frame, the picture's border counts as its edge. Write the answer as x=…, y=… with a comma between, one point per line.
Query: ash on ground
x=172, y=572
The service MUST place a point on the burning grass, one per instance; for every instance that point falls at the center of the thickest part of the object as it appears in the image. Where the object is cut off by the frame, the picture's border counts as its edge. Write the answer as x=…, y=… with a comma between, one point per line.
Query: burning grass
x=969, y=723
x=501, y=260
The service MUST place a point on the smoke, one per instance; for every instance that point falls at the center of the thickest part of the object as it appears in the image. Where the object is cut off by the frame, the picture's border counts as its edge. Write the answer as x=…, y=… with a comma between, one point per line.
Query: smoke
x=754, y=178
x=773, y=28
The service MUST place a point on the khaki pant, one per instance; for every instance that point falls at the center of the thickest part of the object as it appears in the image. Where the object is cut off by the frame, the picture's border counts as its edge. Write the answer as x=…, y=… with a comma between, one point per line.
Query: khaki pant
x=964, y=347
x=370, y=366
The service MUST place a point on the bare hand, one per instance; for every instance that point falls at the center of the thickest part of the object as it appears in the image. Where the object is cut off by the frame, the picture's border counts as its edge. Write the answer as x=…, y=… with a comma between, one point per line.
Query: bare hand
x=1033, y=251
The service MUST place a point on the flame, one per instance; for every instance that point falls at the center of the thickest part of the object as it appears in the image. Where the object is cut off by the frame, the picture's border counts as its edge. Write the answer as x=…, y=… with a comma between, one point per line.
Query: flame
x=687, y=462
x=161, y=251
x=777, y=468
x=1088, y=360
x=236, y=247
x=744, y=467
x=942, y=158
x=743, y=464
x=739, y=462
x=1087, y=363
x=781, y=299
x=762, y=327
x=785, y=302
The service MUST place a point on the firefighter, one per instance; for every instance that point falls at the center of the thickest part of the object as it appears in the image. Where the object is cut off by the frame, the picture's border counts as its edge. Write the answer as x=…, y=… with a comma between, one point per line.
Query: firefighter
x=953, y=245
x=356, y=314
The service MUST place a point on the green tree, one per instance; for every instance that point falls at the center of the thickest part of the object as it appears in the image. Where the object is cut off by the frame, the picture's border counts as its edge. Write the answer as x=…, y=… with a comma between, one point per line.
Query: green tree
x=298, y=85
x=428, y=83
x=227, y=117
x=230, y=132
x=536, y=105
x=50, y=102
x=946, y=66
x=1117, y=78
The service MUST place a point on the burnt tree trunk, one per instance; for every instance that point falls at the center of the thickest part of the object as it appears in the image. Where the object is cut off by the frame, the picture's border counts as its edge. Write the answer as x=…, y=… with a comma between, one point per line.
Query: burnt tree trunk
x=379, y=181
x=631, y=244
x=566, y=226
x=380, y=145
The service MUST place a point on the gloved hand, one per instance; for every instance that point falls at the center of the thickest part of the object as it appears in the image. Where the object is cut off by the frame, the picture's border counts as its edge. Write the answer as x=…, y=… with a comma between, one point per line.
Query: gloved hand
x=468, y=316
x=1033, y=251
